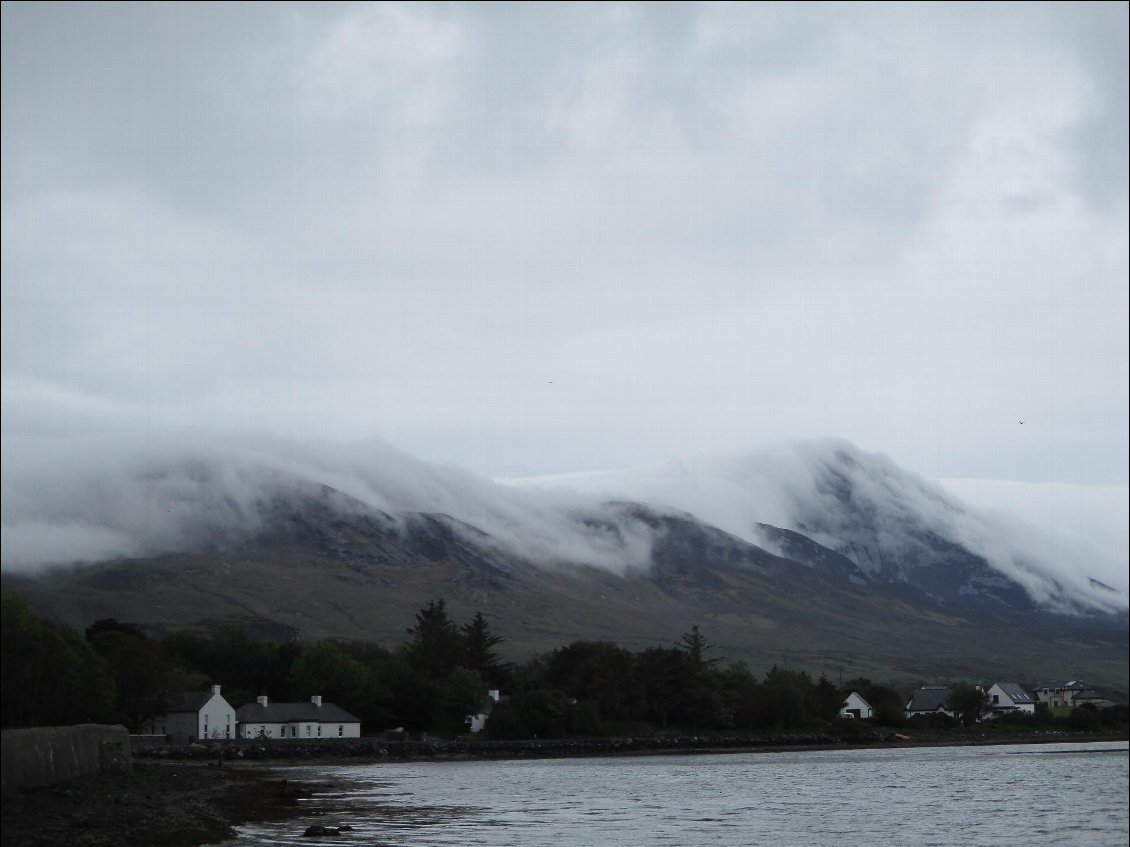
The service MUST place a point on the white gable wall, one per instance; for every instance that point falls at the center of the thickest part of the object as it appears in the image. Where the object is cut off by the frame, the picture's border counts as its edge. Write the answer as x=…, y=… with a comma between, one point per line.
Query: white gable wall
x=216, y=718
x=856, y=707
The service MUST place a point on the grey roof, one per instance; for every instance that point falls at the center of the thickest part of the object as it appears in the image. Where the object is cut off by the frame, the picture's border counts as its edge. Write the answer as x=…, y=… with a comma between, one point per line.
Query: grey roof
x=1015, y=693
x=293, y=713
x=929, y=698
x=188, y=701
x=1082, y=695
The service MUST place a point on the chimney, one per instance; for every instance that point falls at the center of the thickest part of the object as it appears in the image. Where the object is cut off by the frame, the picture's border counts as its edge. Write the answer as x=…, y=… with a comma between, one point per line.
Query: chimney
x=261, y=700
x=215, y=689
x=316, y=699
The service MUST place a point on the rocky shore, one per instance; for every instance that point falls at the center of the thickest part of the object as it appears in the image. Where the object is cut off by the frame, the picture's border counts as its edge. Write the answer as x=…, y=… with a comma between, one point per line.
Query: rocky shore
x=155, y=804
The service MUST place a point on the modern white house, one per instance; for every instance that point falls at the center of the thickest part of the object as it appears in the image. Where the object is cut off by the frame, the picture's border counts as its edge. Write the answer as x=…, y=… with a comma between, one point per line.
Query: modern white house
x=194, y=716
x=478, y=721
x=930, y=700
x=264, y=719
x=1007, y=697
x=856, y=707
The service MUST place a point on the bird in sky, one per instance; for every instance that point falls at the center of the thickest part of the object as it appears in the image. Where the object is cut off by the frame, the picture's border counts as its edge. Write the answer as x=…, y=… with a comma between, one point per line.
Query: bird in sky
x=1022, y=423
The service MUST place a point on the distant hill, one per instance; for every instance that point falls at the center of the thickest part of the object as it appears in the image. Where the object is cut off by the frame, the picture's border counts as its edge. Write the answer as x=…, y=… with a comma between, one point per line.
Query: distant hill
x=870, y=572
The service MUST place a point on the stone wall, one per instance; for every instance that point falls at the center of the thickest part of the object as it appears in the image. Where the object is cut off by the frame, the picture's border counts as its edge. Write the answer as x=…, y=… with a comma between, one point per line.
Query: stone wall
x=49, y=754
x=338, y=749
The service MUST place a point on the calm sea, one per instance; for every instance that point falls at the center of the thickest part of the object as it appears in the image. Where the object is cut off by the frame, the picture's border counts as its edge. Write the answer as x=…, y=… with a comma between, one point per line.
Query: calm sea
x=1019, y=795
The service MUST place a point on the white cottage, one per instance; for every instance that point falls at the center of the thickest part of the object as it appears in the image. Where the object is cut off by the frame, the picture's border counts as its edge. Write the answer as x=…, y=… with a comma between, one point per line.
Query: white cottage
x=1008, y=697
x=296, y=720
x=856, y=707
x=193, y=716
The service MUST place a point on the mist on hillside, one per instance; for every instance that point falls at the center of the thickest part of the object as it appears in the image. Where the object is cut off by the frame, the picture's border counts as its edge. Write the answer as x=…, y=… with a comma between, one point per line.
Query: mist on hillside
x=72, y=500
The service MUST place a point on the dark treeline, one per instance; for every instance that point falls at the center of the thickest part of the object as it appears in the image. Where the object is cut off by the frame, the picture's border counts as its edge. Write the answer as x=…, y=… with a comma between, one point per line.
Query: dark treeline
x=431, y=682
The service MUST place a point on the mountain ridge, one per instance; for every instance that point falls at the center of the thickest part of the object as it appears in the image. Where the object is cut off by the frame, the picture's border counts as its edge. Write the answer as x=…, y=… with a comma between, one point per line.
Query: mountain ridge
x=284, y=553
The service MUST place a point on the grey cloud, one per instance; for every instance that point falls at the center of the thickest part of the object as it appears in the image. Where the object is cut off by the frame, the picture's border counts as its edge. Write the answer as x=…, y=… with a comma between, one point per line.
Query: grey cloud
x=72, y=500
x=708, y=226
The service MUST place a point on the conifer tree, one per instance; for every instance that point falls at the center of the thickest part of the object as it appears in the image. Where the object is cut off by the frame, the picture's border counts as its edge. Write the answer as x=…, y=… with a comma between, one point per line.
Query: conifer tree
x=478, y=647
x=434, y=646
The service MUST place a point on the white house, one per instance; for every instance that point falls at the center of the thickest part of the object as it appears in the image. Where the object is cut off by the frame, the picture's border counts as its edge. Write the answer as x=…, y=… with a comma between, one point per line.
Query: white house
x=296, y=720
x=478, y=721
x=929, y=700
x=1008, y=697
x=193, y=716
x=856, y=707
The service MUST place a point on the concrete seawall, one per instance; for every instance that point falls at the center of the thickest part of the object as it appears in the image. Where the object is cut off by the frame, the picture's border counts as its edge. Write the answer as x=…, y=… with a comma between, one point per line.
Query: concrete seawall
x=49, y=754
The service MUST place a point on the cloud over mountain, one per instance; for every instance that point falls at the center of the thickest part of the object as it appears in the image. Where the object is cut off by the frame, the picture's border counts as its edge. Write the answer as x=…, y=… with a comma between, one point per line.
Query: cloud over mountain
x=88, y=500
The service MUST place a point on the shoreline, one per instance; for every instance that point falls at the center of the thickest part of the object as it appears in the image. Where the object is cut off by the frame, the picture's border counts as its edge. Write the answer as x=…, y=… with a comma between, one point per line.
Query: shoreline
x=154, y=804
x=185, y=802
x=372, y=750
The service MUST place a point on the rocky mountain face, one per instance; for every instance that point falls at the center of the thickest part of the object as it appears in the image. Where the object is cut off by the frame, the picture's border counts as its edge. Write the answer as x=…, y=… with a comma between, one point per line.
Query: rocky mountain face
x=883, y=539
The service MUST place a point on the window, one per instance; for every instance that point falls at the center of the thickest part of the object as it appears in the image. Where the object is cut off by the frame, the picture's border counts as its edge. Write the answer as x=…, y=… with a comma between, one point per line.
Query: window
x=319, y=730
x=340, y=730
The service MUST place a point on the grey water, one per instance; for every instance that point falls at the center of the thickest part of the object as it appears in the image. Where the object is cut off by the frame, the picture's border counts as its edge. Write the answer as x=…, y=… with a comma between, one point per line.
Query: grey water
x=961, y=796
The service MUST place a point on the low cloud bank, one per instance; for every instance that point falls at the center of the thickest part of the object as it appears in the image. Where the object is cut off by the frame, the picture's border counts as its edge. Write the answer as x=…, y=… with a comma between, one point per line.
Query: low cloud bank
x=865, y=506
x=74, y=501
x=71, y=501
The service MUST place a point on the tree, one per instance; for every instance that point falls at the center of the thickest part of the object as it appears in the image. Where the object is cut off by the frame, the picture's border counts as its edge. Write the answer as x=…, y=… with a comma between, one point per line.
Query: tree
x=967, y=702
x=410, y=695
x=703, y=703
x=462, y=694
x=245, y=666
x=743, y=695
x=50, y=675
x=434, y=645
x=598, y=671
x=478, y=648
x=695, y=645
x=325, y=668
x=539, y=713
x=143, y=673
x=825, y=700
x=784, y=698
x=663, y=674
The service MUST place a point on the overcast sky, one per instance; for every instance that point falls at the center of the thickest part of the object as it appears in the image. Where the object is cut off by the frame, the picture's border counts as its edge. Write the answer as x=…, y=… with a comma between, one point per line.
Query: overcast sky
x=531, y=239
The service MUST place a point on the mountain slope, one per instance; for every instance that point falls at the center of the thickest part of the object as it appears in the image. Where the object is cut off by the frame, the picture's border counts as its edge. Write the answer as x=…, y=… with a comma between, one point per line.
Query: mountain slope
x=326, y=566
x=817, y=555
